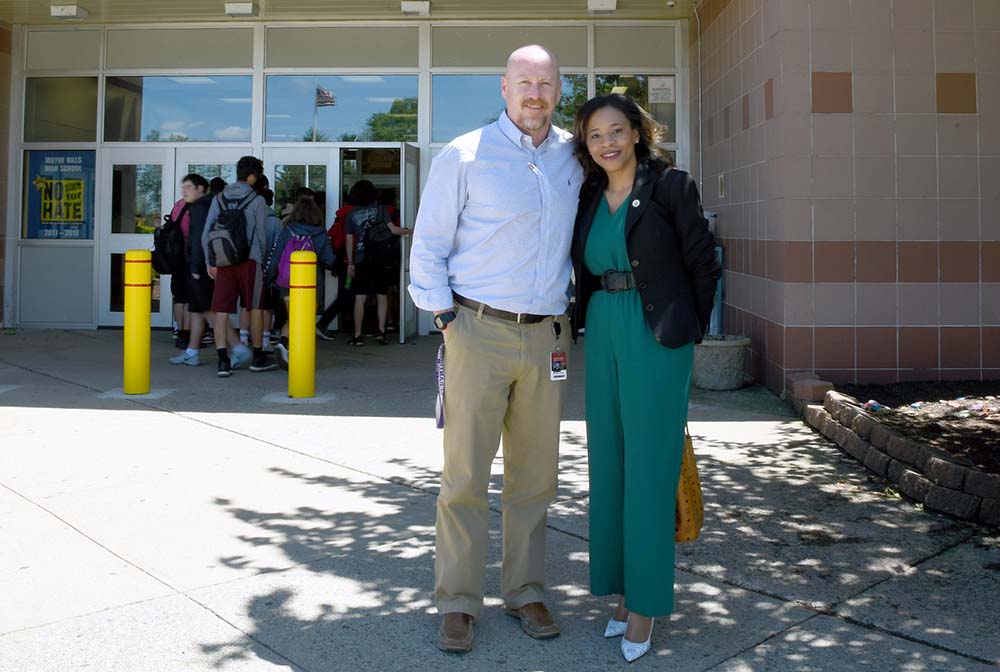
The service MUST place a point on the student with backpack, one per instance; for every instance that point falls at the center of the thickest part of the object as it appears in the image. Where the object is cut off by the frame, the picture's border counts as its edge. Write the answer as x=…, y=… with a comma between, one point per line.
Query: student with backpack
x=200, y=285
x=371, y=248
x=169, y=242
x=235, y=246
x=337, y=234
x=304, y=231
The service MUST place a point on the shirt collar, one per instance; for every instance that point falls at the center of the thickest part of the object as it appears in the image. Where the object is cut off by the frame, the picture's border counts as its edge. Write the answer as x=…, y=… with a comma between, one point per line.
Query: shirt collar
x=515, y=135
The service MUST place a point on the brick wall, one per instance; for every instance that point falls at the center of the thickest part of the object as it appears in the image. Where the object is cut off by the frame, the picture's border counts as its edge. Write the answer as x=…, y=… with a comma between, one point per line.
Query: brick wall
x=860, y=145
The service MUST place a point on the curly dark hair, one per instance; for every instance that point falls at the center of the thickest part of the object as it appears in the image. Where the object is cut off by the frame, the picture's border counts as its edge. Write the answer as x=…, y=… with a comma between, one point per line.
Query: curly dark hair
x=650, y=132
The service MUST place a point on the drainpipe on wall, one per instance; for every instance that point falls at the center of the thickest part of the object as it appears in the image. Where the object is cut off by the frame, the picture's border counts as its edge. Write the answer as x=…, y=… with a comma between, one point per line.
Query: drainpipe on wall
x=701, y=121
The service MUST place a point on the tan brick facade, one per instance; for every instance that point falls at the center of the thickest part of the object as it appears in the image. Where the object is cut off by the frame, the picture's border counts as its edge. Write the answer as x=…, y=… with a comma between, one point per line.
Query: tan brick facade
x=858, y=144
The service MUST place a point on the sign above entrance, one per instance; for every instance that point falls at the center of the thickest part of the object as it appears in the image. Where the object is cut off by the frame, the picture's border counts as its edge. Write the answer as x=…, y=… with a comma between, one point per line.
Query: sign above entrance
x=59, y=195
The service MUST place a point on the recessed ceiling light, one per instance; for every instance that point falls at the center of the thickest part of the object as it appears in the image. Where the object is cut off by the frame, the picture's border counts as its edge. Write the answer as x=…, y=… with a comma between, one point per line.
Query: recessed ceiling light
x=68, y=12
x=415, y=8
x=241, y=10
x=602, y=6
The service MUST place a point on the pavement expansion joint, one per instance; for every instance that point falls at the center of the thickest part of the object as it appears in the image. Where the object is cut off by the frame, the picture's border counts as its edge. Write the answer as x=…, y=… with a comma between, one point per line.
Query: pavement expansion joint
x=154, y=394
x=283, y=398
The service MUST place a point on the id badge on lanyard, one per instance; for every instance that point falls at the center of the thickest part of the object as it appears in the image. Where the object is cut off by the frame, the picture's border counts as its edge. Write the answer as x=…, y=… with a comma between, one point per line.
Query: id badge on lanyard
x=558, y=361
x=439, y=374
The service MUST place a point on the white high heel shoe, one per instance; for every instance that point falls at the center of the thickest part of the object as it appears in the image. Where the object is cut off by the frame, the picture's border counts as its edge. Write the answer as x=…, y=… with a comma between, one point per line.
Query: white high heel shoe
x=615, y=628
x=633, y=651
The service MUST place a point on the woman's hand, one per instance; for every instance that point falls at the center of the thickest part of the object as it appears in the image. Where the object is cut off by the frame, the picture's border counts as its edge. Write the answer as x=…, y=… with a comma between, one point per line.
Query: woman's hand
x=350, y=270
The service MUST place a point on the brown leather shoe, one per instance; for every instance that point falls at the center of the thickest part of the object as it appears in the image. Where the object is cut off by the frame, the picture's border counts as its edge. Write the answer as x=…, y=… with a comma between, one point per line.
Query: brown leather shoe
x=455, y=633
x=536, y=621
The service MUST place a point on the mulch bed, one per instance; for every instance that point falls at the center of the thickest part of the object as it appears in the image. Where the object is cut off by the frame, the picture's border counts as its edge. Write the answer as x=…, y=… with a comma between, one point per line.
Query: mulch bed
x=961, y=418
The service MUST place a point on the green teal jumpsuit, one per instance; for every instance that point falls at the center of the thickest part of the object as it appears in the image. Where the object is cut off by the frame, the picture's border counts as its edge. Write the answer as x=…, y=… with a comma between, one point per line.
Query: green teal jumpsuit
x=637, y=402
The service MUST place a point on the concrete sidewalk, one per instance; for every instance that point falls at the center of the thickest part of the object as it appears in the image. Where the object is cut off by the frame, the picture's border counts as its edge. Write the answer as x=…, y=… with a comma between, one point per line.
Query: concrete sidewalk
x=216, y=526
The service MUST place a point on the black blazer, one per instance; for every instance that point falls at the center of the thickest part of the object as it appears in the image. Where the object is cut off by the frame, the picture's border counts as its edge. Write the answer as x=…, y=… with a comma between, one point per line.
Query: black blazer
x=670, y=247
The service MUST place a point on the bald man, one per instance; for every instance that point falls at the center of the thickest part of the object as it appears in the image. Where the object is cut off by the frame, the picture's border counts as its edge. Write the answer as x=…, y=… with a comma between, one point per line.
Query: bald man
x=490, y=259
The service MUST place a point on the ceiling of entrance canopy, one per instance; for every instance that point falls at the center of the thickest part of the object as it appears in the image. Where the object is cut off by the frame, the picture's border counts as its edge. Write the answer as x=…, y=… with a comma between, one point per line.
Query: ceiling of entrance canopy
x=135, y=11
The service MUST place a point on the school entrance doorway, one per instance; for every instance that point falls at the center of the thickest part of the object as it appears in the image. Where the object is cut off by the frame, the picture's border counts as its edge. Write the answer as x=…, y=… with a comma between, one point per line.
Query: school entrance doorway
x=141, y=185
x=331, y=172
x=145, y=183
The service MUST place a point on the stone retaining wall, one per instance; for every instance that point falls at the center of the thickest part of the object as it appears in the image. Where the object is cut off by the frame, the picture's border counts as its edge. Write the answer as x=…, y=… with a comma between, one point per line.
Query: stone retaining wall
x=940, y=481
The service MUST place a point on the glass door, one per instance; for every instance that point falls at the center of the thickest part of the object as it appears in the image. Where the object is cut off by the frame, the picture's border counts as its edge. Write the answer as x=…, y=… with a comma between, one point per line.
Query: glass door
x=409, y=179
x=209, y=162
x=331, y=172
x=138, y=188
x=289, y=169
x=316, y=168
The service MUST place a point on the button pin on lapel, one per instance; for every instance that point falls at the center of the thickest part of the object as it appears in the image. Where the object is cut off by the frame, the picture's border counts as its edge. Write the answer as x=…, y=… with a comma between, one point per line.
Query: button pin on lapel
x=635, y=203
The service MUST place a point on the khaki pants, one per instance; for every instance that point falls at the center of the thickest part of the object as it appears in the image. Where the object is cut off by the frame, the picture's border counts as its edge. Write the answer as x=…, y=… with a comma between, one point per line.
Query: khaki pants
x=497, y=384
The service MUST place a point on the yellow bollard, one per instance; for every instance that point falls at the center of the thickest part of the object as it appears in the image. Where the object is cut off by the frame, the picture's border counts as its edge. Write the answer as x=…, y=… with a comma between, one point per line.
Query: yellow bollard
x=138, y=299
x=302, y=326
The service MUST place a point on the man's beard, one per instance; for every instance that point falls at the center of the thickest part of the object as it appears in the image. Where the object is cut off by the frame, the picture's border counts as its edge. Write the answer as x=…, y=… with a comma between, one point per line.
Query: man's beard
x=534, y=123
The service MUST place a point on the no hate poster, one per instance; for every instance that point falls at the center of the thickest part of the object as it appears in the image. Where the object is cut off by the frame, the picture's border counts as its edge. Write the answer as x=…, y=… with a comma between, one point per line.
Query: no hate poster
x=59, y=195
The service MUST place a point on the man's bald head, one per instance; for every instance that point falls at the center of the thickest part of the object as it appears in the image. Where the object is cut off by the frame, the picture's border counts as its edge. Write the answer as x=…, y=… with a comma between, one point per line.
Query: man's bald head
x=532, y=54
x=532, y=87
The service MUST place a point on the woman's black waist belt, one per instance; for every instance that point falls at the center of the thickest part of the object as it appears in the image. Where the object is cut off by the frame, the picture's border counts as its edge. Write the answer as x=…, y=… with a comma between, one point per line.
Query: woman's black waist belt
x=617, y=281
x=520, y=318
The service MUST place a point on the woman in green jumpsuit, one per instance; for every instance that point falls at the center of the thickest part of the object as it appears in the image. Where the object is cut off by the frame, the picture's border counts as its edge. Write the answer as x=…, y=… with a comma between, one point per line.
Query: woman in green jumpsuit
x=646, y=272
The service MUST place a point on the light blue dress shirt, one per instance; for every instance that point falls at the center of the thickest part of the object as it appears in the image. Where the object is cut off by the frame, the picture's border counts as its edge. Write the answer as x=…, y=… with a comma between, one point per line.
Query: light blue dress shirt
x=496, y=222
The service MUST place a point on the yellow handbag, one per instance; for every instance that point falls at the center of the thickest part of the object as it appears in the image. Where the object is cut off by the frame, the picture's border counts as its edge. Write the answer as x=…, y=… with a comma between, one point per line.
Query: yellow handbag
x=690, y=509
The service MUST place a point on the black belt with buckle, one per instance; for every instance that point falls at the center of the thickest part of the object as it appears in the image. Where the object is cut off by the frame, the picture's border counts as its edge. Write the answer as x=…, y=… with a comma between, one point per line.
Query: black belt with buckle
x=520, y=318
x=617, y=281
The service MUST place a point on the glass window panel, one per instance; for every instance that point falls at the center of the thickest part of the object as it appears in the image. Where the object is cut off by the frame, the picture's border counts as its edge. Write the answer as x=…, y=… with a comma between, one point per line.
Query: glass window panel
x=463, y=103
x=636, y=87
x=289, y=178
x=369, y=108
x=178, y=109
x=60, y=109
x=226, y=171
x=136, y=195
x=574, y=95
x=117, y=298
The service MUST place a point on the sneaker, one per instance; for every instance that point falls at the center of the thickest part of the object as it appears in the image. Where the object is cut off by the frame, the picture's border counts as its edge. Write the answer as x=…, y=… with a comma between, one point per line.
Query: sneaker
x=282, y=351
x=184, y=358
x=263, y=363
x=208, y=339
x=324, y=334
x=357, y=341
x=225, y=369
x=382, y=339
x=241, y=356
x=268, y=349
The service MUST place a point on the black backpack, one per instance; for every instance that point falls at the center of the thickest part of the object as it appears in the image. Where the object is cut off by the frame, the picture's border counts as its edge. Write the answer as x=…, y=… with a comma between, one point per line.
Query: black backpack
x=228, y=244
x=379, y=239
x=168, y=245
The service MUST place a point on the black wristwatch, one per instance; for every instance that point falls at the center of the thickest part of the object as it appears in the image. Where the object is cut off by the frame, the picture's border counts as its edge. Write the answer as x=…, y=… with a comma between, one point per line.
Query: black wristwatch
x=444, y=319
